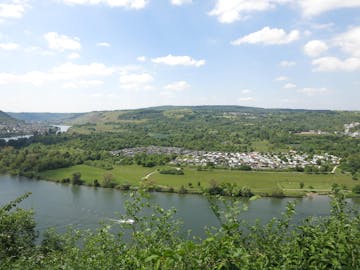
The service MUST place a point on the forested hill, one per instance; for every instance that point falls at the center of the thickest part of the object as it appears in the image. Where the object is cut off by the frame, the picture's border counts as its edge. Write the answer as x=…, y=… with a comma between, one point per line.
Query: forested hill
x=6, y=119
x=230, y=108
x=225, y=128
x=104, y=116
x=288, y=119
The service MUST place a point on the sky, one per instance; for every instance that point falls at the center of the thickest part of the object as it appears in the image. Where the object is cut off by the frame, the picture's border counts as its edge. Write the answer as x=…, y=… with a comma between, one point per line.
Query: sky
x=86, y=55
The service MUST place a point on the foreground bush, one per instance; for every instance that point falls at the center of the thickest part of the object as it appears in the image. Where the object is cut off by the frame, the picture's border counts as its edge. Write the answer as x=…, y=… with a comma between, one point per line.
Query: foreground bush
x=155, y=242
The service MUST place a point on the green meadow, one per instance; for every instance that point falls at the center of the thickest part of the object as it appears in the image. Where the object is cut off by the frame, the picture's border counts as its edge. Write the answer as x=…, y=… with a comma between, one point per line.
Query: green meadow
x=260, y=182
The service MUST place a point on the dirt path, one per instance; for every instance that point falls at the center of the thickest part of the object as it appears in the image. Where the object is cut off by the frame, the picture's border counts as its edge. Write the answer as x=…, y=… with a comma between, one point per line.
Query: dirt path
x=146, y=177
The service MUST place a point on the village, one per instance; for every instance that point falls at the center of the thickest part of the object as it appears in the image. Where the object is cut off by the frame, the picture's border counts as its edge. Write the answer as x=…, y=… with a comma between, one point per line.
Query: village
x=16, y=129
x=349, y=132
x=253, y=160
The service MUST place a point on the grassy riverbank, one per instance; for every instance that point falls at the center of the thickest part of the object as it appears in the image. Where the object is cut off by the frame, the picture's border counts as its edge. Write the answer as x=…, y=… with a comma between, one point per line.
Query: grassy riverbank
x=260, y=182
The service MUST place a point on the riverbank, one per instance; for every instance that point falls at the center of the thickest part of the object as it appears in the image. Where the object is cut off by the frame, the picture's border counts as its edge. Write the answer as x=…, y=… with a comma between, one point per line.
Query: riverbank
x=268, y=184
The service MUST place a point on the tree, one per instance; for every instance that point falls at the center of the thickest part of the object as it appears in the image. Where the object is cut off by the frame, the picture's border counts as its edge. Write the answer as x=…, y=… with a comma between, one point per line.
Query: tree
x=108, y=181
x=17, y=230
x=76, y=179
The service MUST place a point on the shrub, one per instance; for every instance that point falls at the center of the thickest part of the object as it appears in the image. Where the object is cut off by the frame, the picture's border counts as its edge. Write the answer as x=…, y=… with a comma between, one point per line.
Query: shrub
x=124, y=186
x=96, y=183
x=76, y=179
x=65, y=180
x=245, y=168
x=182, y=190
x=246, y=192
x=277, y=192
x=172, y=171
x=17, y=230
x=356, y=189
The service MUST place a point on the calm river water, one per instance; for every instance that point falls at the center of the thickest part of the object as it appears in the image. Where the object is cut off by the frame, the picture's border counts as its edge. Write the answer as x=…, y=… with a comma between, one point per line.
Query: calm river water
x=60, y=205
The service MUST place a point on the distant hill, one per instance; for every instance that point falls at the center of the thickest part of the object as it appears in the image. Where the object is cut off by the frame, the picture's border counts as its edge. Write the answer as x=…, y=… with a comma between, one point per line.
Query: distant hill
x=45, y=117
x=174, y=111
x=6, y=119
x=157, y=121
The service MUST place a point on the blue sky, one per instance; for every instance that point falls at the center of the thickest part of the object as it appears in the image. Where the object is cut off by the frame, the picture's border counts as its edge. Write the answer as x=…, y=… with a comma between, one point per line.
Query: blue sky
x=85, y=55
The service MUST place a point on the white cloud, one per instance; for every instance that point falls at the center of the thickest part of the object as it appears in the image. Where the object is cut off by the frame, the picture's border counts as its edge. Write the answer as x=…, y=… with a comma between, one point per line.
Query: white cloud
x=246, y=91
x=336, y=64
x=9, y=46
x=269, y=36
x=287, y=63
x=282, y=79
x=313, y=91
x=70, y=70
x=349, y=42
x=246, y=99
x=177, y=86
x=61, y=43
x=136, y=81
x=74, y=55
x=315, y=48
x=316, y=7
x=289, y=86
x=103, y=44
x=130, y=4
x=65, y=72
x=180, y=2
x=141, y=58
x=13, y=10
x=178, y=61
x=83, y=84
x=229, y=11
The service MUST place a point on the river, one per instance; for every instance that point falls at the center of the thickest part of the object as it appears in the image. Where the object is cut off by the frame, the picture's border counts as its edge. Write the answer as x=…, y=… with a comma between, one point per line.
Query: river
x=62, y=128
x=16, y=137
x=60, y=205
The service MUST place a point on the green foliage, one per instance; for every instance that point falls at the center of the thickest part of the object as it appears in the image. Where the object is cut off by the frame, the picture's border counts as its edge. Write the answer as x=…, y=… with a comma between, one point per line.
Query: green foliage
x=277, y=192
x=301, y=185
x=17, y=230
x=108, y=181
x=151, y=160
x=153, y=241
x=76, y=179
x=182, y=190
x=245, y=168
x=228, y=189
x=172, y=171
x=356, y=189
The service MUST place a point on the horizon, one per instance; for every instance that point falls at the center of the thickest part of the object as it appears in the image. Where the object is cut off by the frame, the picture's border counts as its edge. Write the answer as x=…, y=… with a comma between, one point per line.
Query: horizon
x=175, y=106
x=295, y=54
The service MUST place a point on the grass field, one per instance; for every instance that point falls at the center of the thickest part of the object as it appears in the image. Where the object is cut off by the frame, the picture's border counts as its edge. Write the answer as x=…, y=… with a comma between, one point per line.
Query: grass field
x=259, y=182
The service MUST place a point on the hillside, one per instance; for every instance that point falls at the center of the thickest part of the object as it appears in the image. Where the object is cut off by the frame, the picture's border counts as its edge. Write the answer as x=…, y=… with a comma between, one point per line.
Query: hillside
x=53, y=118
x=225, y=128
x=291, y=120
x=6, y=119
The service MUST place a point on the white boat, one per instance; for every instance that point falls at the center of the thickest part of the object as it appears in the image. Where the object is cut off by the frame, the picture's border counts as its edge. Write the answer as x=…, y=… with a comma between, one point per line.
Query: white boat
x=123, y=221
